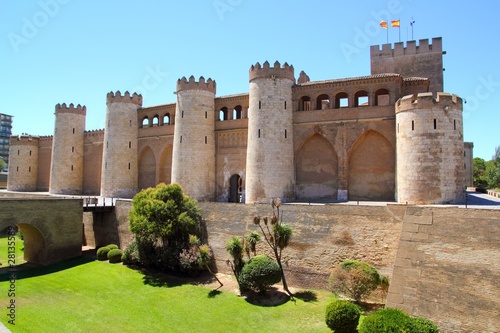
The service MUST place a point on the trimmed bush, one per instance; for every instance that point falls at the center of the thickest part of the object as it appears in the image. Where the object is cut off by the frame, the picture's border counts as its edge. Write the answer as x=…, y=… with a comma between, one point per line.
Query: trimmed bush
x=131, y=254
x=112, y=246
x=102, y=253
x=355, y=279
x=260, y=273
x=342, y=316
x=421, y=325
x=115, y=256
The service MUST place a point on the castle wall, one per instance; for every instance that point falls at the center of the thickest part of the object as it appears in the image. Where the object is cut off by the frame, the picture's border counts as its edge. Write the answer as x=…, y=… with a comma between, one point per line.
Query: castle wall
x=92, y=161
x=430, y=158
x=422, y=60
x=447, y=268
x=23, y=163
x=44, y=162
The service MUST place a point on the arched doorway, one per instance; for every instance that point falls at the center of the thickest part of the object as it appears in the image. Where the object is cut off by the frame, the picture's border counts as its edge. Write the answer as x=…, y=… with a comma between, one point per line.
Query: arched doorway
x=235, y=188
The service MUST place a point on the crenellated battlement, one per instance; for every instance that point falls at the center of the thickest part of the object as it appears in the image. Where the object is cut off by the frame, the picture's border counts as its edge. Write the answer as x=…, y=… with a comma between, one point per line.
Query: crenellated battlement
x=117, y=97
x=411, y=48
x=429, y=101
x=71, y=108
x=276, y=72
x=191, y=84
x=23, y=140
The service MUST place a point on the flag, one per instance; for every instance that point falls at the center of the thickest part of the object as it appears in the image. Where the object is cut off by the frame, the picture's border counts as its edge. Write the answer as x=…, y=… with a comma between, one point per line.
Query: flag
x=383, y=24
x=412, y=21
x=395, y=23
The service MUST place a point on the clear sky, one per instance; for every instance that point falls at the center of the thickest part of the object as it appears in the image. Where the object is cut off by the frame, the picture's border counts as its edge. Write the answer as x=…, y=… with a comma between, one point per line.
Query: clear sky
x=76, y=51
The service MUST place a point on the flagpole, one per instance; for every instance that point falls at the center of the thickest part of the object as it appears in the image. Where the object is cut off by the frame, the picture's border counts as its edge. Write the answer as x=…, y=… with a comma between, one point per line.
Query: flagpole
x=399, y=30
x=387, y=30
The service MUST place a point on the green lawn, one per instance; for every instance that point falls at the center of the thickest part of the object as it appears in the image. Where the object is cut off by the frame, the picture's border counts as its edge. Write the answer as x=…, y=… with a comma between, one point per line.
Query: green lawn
x=84, y=295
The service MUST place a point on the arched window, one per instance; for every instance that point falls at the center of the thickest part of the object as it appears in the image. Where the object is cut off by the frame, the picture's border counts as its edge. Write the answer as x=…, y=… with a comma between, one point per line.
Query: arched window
x=223, y=114
x=156, y=120
x=145, y=122
x=305, y=103
x=382, y=97
x=323, y=102
x=237, y=112
x=341, y=100
x=166, y=119
x=361, y=98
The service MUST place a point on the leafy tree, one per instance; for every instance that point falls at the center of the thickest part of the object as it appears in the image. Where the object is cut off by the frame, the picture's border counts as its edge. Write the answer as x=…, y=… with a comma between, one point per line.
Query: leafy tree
x=479, y=173
x=162, y=218
x=356, y=279
x=251, y=243
x=493, y=170
x=277, y=237
x=2, y=164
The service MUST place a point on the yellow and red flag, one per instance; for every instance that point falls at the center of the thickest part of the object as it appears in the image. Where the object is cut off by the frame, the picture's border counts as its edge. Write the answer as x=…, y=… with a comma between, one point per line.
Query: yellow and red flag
x=383, y=24
x=395, y=23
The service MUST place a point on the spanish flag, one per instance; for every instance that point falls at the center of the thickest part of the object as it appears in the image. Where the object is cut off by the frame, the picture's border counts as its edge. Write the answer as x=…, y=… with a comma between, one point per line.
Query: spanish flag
x=383, y=24
x=395, y=23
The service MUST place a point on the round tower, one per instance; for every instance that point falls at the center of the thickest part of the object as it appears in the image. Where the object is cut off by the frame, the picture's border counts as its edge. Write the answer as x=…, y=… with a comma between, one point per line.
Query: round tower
x=66, y=171
x=23, y=163
x=430, y=149
x=269, y=167
x=193, y=156
x=119, y=159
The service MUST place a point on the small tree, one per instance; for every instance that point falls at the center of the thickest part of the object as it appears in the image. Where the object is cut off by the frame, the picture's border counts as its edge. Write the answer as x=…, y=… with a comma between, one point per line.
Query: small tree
x=356, y=279
x=2, y=164
x=161, y=220
x=198, y=255
x=235, y=248
x=277, y=237
x=251, y=243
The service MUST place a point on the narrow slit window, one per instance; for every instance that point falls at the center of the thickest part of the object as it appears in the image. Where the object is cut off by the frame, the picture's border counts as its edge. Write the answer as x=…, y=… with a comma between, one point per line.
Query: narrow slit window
x=285, y=105
x=73, y=130
x=181, y=138
x=435, y=123
x=285, y=134
x=206, y=139
x=18, y=152
x=130, y=123
x=258, y=134
x=129, y=166
x=206, y=114
x=71, y=167
x=182, y=114
x=260, y=105
x=106, y=165
x=30, y=152
x=29, y=169
x=412, y=125
x=17, y=168
x=130, y=144
x=72, y=149
x=107, y=144
x=455, y=124
x=398, y=127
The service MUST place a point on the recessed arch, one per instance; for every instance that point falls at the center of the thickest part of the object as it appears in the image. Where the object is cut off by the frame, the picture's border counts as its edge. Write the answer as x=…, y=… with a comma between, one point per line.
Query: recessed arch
x=361, y=98
x=341, y=100
x=223, y=114
x=382, y=97
x=316, y=167
x=156, y=120
x=238, y=112
x=371, y=168
x=145, y=122
x=235, y=188
x=147, y=168
x=166, y=165
x=305, y=103
x=323, y=102
x=166, y=119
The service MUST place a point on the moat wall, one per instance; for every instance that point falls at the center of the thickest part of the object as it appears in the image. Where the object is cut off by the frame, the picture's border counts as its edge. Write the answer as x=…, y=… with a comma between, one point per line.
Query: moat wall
x=442, y=261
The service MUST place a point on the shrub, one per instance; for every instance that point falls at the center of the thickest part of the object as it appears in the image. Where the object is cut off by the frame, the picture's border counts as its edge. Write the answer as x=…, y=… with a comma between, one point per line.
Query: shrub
x=342, y=316
x=102, y=253
x=131, y=254
x=260, y=273
x=421, y=325
x=112, y=246
x=356, y=279
x=386, y=321
x=115, y=256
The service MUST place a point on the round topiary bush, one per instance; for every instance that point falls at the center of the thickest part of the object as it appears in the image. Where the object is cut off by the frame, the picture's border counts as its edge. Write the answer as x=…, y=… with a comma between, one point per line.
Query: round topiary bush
x=260, y=273
x=385, y=321
x=102, y=253
x=115, y=256
x=342, y=316
x=112, y=246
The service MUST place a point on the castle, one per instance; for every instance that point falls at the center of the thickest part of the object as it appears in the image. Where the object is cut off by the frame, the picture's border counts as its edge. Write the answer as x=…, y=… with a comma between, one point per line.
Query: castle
x=390, y=135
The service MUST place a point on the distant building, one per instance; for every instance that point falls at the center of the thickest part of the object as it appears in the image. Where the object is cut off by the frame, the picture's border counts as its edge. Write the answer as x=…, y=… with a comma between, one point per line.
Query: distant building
x=5, y=133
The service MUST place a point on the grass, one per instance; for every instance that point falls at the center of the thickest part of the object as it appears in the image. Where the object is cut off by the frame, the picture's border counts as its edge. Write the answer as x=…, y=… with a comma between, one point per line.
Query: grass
x=4, y=253
x=85, y=295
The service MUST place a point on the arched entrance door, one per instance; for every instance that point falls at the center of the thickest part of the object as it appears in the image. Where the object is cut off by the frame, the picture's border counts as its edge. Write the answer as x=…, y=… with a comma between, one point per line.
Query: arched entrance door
x=234, y=188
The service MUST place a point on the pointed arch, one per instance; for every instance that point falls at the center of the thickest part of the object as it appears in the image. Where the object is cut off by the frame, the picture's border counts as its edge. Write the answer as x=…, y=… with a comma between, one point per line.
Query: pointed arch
x=166, y=165
x=147, y=169
x=371, y=168
x=316, y=169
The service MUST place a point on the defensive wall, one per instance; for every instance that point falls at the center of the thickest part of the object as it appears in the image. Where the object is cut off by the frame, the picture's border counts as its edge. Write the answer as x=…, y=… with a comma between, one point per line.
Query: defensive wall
x=442, y=262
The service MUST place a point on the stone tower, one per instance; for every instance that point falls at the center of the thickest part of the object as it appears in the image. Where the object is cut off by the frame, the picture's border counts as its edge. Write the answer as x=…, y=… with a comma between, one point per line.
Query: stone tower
x=422, y=60
x=269, y=167
x=193, y=156
x=430, y=149
x=66, y=170
x=119, y=164
x=23, y=163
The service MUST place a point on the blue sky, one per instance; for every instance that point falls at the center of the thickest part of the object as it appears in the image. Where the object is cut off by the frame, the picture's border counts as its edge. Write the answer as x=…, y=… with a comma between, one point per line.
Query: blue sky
x=75, y=51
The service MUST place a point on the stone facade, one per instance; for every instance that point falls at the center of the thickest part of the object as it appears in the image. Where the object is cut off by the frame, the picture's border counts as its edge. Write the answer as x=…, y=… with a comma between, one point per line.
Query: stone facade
x=23, y=152
x=330, y=140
